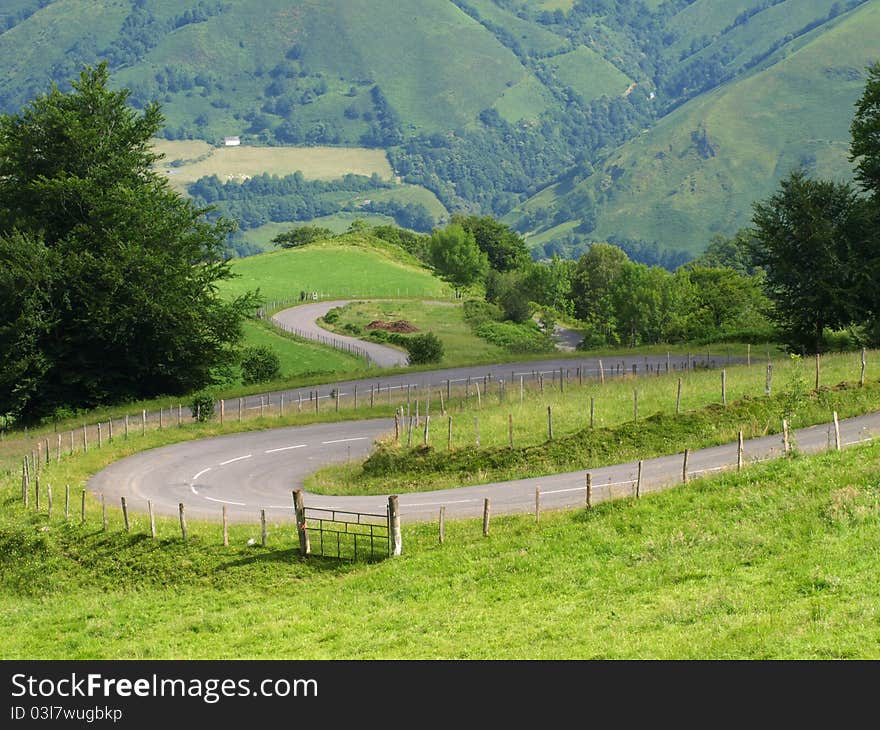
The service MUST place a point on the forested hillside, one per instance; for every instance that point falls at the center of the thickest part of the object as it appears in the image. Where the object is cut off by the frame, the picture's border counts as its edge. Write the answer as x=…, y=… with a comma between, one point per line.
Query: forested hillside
x=488, y=102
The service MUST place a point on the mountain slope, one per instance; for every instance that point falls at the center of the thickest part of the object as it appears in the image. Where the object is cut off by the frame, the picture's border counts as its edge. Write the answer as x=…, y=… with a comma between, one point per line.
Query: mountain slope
x=698, y=170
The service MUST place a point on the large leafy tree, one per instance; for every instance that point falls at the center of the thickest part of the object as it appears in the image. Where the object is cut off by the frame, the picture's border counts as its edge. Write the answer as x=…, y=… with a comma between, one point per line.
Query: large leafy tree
x=810, y=239
x=865, y=130
x=108, y=278
x=505, y=247
x=456, y=256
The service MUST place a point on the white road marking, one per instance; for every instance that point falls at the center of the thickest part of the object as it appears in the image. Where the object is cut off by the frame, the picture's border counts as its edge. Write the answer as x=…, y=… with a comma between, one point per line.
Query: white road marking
x=280, y=506
x=237, y=458
x=434, y=504
x=562, y=491
x=203, y=471
x=342, y=441
x=285, y=448
x=193, y=489
x=226, y=501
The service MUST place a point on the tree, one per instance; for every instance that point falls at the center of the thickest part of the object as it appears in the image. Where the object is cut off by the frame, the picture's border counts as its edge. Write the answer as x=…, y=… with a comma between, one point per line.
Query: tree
x=809, y=237
x=456, y=256
x=731, y=253
x=865, y=130
x=505, y=247
x=109, y=277
x=593, y=284
x=301, y=235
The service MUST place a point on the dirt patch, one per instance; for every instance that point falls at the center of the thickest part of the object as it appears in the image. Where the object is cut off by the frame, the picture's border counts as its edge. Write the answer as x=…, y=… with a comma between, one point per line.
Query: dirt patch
x=401, y=326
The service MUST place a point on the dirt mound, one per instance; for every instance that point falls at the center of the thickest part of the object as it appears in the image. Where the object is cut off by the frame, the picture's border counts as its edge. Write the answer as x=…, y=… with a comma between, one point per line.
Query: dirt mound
x=401, y=326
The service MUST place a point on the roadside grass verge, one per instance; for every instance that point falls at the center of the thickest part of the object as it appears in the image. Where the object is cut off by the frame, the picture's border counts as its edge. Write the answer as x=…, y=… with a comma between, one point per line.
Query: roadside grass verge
x=616, y=435
x=775, y=562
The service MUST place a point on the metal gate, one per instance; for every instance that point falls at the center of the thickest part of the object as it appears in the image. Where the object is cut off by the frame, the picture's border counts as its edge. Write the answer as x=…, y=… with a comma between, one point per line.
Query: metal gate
x=348, y=535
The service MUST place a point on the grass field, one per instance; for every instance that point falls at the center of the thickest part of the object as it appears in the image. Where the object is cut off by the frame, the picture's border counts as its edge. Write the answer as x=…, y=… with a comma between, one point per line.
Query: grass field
x=239, y=163
x=590, y=75
x=460, y=344
x=352, y=265
x=616, y=435
x=297, y=356
x=776, y=562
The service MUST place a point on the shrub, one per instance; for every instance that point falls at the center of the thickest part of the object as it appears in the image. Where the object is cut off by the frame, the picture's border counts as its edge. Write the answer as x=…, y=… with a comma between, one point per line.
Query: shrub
x=515, y=337
x=202, y=406
x=476, y=312
x=259, y=365
x=332, y=315
x=424, y=348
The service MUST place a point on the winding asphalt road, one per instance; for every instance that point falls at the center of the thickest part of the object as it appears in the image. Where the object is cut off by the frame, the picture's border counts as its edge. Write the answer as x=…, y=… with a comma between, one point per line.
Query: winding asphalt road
x=254, y=471
x=301, y=320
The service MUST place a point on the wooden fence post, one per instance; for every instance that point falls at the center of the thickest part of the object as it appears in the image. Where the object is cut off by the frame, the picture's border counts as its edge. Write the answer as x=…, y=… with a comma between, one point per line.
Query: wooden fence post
x=449, y=433
x=510, y=430
x=549, y=423
x=66, y=502
x=37, y=491
x=678, y=399
x=222, y=411
x=143, y=422
x=394, y=525
x=152, y=519
x=427, y=429
x=126, y=427
x=537, y=504
x=749, y=355
x=837, y=443
x=49, y=500
x=263, y=532
x=862, y=376
x=301, y=527
x=100, y=437
x=769, y=379
x=477, y=431
x=739, y=451
x=639, y=481
x=240, y=409
x=684, y=466
x=589, y=490
x=723, y=387
x=817, y=370
x=85, y=439
x=125, y=515
x=442, y=534
x=601, y=373
x=486, y=517
x=785, y=444
x=179, y=415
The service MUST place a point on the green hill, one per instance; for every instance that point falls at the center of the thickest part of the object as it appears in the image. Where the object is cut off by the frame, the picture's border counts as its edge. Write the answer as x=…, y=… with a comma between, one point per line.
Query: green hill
x=487, y=102
x=697, y=172
x=351, y=265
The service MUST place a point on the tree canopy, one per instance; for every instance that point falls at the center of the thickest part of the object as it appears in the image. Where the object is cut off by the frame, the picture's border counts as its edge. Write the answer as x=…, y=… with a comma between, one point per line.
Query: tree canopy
x=456, y=256
x=108, y=278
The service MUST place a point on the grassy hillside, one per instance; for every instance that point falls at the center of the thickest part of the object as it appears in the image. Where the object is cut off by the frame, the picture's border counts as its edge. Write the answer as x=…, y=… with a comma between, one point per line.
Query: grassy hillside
x=698, y=171
x=776, y=562
x=484, y=102
x=351, y=265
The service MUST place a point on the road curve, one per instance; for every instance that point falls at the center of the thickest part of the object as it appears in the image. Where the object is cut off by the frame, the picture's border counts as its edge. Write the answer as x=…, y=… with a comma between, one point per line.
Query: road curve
x=253, y=471
x=301, y=320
